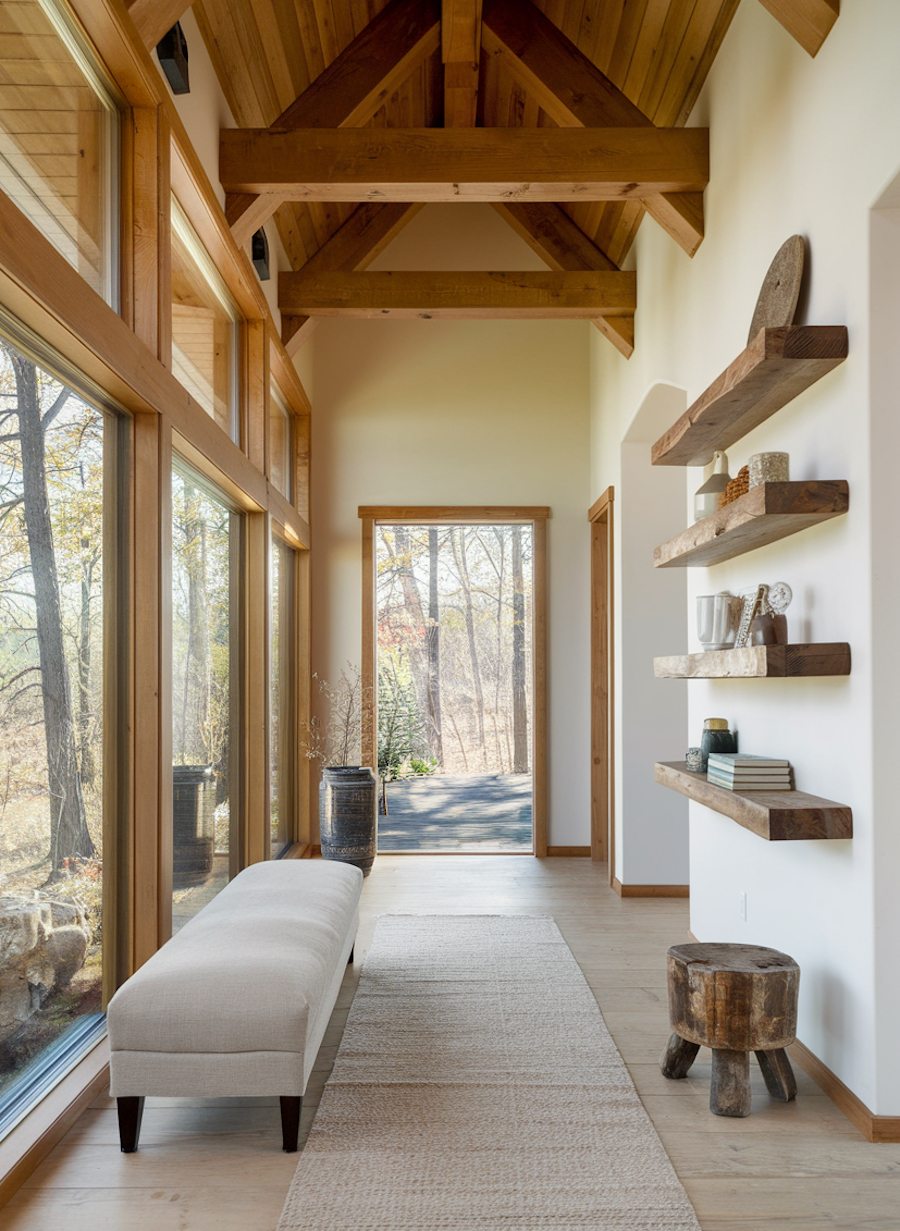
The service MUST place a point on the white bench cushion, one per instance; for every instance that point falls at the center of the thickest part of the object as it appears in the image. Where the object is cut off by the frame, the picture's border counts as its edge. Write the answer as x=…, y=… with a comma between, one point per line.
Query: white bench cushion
x=238, y=1001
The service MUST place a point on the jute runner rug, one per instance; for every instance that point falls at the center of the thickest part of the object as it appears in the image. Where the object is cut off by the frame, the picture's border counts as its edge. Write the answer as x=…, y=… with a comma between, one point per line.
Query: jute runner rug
x=477, y=1089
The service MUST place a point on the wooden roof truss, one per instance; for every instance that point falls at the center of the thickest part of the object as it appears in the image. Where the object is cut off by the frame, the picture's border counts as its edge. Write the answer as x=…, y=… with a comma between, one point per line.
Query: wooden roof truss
x=355, y=113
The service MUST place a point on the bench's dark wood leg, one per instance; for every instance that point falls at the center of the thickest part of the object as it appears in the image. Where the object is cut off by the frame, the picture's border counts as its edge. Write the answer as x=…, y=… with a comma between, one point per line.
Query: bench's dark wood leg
x=130, y=1112
x=678, y=1056
x=350, y=958
x=729, y=1090
x=776, y=1069
x=290, y=1122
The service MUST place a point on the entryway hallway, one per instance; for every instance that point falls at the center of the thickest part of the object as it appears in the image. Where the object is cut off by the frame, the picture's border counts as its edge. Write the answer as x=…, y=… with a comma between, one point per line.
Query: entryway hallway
x=217, y=1165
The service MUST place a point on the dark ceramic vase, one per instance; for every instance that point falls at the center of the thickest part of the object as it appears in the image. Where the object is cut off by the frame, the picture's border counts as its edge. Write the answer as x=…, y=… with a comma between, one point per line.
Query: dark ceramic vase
x=193, y=824
x=716, y=741
x=348, y=818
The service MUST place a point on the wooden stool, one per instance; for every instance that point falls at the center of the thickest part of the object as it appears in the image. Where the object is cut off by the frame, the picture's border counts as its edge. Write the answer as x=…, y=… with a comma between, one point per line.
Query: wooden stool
x=734, y=999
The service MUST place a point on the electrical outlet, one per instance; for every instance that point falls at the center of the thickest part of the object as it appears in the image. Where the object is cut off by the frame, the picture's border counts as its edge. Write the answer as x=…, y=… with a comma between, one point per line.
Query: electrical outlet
x=744, y=907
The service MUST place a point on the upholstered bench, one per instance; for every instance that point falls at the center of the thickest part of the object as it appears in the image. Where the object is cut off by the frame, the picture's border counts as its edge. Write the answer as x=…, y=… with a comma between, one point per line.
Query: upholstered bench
x=238, y=1001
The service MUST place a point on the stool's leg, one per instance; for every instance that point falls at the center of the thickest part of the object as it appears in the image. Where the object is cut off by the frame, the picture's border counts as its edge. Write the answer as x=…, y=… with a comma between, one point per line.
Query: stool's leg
x=678, y=1056
x=130, y=1112
x=290, y=1122
x=350, y=958
x=776, y=1069
x=729, y=1091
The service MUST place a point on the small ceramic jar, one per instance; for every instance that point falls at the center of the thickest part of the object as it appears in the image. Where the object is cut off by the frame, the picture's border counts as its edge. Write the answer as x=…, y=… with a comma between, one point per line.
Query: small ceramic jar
x=769, y=468
x=716, y=738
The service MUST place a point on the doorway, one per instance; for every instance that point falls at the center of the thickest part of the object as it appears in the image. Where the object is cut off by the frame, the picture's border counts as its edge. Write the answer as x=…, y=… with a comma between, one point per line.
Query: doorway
x=600, y=516
x=453, y=674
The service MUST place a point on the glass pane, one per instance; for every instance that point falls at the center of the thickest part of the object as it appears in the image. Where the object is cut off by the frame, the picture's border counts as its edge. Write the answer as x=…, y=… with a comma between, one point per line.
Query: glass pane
x=279, y=442
x=282, y=730
x=204, y=327
x=51, y=730
x=204, y=694
x=58, y=139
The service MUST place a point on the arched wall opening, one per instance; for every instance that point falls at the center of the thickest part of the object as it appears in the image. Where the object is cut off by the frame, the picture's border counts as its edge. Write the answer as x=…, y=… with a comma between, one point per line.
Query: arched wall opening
x=651, y=846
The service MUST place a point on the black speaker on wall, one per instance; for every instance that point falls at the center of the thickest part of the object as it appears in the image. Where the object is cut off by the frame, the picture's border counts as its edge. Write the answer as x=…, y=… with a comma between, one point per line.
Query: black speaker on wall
x=173, y=58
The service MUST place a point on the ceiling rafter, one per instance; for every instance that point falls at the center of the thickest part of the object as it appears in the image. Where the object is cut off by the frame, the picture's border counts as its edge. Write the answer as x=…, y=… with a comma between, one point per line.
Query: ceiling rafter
x=351, y=89
x=576, y=93
x=809, y=21
x=472, y=164
x=458, y=295
x=461, y=55
x=365, y=234
x=153, y=18
x=550, y=232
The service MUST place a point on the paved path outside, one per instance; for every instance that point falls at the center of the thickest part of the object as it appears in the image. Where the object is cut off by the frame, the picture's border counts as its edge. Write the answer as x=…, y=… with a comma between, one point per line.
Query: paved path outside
x=458, y=812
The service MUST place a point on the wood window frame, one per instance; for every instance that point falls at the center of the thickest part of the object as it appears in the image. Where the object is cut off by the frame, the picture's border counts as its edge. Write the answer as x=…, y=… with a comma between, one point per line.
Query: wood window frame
x=600, y=516
x=535, y=516
x=126, y=353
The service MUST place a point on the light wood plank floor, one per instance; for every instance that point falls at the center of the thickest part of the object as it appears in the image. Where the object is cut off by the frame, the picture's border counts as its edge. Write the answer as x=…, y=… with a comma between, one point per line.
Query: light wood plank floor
x=218, y=1166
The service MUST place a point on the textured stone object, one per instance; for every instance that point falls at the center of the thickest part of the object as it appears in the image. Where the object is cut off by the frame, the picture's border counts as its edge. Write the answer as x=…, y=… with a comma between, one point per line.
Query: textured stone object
x=42, y=945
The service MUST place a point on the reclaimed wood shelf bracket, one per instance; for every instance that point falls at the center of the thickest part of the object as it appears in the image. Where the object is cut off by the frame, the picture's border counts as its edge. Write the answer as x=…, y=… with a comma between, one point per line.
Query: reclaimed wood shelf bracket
x=764, y=515
x=777, y=816
x=777, y=366
x=757, y=662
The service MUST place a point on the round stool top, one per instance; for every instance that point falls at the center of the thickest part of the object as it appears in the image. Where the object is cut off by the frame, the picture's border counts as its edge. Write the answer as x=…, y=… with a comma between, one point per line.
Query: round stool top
x=734, y=997
x=742, y=959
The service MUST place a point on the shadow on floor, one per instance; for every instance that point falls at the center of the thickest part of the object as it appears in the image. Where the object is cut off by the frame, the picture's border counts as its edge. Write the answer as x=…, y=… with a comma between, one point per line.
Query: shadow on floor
x=458, y=812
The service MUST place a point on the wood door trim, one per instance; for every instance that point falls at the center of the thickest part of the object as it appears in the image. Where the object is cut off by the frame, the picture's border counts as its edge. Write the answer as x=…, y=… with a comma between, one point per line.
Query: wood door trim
x=600, y=516
x=372, y=515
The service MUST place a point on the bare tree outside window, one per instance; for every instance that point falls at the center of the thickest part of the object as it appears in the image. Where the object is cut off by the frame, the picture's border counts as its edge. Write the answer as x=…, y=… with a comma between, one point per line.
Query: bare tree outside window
x=51, y=736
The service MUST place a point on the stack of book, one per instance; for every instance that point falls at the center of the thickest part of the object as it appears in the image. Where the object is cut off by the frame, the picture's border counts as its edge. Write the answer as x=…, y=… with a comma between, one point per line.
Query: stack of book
x=737, y=771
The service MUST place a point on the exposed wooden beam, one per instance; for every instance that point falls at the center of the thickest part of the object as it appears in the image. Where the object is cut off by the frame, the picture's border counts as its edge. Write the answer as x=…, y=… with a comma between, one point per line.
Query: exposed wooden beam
x=574, y=92
x=809, y=21
x=551, y=233
x=351, y=89
x=154, y=17
x=365, y=234
x=458, y=295
x=461, y=54
x=478, y=164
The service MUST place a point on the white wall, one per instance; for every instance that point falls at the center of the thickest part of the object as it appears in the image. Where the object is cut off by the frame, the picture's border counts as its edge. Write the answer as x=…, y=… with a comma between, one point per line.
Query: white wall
x=798, y=146
x=651, y=715
x=459, y=412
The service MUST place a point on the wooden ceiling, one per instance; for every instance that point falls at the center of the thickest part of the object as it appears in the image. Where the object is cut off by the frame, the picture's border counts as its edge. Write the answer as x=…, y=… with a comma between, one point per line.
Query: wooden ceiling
x=494, y=64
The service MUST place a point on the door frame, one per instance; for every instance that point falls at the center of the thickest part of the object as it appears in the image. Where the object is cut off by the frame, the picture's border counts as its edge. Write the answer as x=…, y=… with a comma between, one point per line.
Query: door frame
x=603, y=835
x=536, y=517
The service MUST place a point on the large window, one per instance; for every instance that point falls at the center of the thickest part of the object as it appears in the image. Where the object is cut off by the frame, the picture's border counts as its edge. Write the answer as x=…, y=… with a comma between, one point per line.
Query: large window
x=205, y=724
x=280, y=442
x=282, y=698
x=204, y=327
x=59, y=138
x=55, y=451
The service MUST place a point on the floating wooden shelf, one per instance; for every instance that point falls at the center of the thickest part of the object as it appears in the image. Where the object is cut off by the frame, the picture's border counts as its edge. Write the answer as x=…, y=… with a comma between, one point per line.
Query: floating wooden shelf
x=757, y=662
x=765, y=514
x=777, y=366
x=777, y=816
